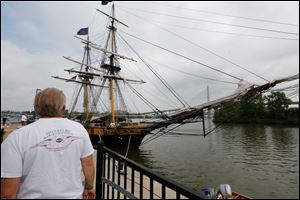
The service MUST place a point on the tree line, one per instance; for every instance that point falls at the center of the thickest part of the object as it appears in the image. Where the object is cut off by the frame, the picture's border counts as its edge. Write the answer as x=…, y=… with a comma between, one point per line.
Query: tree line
x=272, y=109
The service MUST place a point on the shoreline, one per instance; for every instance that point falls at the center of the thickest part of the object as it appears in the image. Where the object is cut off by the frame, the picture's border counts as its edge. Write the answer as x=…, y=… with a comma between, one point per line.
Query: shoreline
x=294, y=123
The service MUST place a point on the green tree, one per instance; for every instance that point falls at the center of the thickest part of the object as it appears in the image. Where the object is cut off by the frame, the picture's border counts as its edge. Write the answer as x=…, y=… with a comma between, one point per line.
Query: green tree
x=277, y=105
x=259, y=109
x=228, y=113
x=248, y=109
x=252, y=108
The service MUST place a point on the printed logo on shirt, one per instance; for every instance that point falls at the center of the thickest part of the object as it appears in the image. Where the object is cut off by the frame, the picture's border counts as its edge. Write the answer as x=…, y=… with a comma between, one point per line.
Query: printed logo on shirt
x=57, y=140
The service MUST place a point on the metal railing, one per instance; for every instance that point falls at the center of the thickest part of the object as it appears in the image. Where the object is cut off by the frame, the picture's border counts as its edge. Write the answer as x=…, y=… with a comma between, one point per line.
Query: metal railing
x=119, y=177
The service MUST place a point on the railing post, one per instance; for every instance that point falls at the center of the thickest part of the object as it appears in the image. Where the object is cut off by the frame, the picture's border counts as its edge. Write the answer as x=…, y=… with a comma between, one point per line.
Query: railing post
x=99, y=172
x=103, y=179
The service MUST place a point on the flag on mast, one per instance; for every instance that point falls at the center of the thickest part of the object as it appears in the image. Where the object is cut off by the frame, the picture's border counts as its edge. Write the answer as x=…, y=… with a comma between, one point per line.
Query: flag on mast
x=105, y=2
x=83, y=31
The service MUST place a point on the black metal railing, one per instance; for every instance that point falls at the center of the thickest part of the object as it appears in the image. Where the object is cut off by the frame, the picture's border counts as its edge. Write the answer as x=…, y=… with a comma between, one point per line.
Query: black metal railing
x=119, y=177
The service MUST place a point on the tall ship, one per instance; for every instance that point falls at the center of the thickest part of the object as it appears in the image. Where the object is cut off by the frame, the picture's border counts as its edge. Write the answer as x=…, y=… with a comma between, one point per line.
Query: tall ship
x=103, y=82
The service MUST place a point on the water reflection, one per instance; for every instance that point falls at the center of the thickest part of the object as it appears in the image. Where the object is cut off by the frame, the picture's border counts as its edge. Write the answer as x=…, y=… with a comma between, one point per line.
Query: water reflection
x=140, y=156
x=256, y=160
x=283, y=137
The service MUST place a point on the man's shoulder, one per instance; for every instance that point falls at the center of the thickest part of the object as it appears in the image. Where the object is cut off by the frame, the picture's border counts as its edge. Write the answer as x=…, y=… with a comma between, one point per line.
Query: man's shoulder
x=23, y=129
x=45, y=121
x=74, y=123
x=15, y=134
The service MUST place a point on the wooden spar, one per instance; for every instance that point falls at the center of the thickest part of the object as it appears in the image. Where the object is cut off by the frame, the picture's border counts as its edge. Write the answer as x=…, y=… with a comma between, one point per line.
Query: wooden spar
x=105, y=76
x=189, y=113
x=113, y=18
x=112, y=68
x=113, y=53
x=75, y=61
x=104, y=50
x=84, y=41
x=81, y=82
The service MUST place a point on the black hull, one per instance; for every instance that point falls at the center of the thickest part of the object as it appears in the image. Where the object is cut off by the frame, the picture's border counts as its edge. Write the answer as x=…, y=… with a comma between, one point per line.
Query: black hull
x=119, y=141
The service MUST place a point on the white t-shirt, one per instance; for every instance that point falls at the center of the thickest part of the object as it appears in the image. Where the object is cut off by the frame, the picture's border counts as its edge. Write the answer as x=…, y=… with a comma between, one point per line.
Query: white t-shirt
x=46, y=155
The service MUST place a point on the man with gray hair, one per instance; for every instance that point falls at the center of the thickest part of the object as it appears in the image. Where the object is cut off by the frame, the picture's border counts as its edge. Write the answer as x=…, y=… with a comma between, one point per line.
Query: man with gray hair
x=44, y=159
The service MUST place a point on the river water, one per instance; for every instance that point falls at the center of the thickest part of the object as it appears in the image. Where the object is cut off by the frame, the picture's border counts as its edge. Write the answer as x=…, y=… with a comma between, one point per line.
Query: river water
x=259, y=161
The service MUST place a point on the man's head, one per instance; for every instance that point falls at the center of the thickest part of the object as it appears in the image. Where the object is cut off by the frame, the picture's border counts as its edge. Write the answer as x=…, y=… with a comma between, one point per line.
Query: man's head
x=50, y=102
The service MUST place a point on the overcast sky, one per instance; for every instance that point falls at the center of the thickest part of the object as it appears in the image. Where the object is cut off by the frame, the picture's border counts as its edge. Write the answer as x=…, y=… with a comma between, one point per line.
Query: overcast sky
x=35, y=36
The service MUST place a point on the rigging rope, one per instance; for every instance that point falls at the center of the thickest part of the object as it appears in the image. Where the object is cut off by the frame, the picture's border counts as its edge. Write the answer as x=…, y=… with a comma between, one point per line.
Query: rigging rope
x=121, y=96
x=179, y=98
x=221, y=23
x=93, y=106
x=97, y=96
x=137, y=67
x=73, y=97
x=195, y=75
x=219, y=126
x=227, y=15
x=153, y=137
x=128, y=147
x=193, y=43
x=180, y=55
x=132, y=101
x=292, y=87
x=230, y=33
x=161, y=92
x=155, y=109
x=293, y=94
x=76, y=99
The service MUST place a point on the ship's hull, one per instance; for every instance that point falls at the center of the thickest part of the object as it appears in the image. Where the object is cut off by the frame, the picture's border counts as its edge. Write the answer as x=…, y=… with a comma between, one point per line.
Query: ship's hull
x=119, y=141
x=118, y=135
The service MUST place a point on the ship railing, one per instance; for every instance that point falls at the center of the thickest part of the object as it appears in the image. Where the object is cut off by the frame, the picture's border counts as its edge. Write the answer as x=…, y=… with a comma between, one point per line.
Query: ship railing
x=119, y=177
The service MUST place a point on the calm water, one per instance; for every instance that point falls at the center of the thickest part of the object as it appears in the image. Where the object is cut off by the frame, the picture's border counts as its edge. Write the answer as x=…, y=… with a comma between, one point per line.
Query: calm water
x=256, y=160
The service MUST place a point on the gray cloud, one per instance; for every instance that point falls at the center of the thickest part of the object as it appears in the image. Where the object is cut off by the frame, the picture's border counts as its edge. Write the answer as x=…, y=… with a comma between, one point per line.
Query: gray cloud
x=34, y=36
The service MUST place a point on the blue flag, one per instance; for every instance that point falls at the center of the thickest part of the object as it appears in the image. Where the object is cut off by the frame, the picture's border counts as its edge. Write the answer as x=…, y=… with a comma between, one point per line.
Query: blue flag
x=83, y=31
x=105, y=2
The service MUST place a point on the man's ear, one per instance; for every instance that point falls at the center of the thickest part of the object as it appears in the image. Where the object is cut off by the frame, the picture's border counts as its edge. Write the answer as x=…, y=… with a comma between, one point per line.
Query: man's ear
x=63, y=109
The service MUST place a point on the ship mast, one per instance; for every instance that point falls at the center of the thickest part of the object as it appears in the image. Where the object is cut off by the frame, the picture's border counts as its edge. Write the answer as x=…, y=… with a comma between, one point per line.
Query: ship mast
x=86, y=81
x=85, y=78
x=111, y=69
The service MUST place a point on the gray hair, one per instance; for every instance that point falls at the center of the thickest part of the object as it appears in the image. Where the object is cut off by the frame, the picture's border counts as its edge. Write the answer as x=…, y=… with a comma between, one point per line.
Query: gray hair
x=49, y=102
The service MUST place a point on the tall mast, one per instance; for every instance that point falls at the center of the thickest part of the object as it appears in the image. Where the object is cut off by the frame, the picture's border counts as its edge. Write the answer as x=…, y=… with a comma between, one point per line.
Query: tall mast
x=113, y=67
x=112, y=72
x=110, y=69
x=86, y=83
